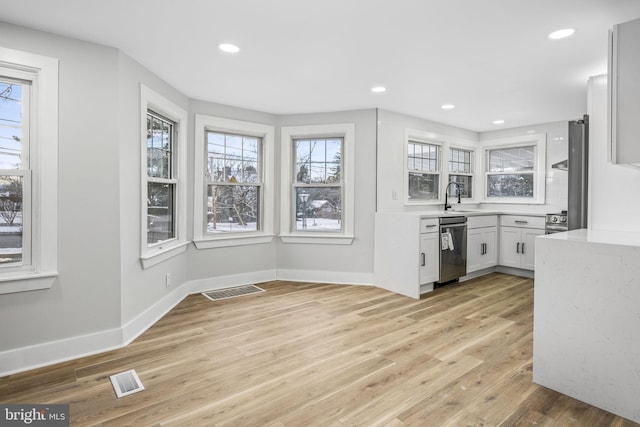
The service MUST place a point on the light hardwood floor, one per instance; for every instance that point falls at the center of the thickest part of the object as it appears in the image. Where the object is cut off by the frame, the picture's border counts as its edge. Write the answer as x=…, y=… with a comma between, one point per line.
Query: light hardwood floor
x=303, y=354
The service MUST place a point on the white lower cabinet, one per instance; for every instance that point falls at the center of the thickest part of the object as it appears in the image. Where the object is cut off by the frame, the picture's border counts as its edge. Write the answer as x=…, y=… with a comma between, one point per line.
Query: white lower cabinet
x=406, y=256
x=482, y=248
x=517, y=241
x=482, y=242
x=429, y=257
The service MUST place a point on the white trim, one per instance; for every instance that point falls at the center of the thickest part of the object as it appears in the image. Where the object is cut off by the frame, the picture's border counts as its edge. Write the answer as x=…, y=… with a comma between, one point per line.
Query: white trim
x=234, y=240
x=151, y=100
x=288, y=134
x=540, y=142
x=267, y=133
x=321, y=276
x=43, y=133
x=420, y=136
x=52, y=352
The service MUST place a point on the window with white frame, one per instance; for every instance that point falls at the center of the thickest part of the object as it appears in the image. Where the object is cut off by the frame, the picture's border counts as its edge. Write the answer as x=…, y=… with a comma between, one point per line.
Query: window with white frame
x=423, y=165
x=515, y=170
x=28, y=171
x=162, y=179
x=461, y=172
x=15, y=172
x=164, y=224
x=318, y=184
x=233, y=182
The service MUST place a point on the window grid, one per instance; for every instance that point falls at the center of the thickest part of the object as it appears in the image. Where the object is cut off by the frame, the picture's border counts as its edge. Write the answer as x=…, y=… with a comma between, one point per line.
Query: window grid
x=15, y=173
x=423, y=163
x=234, y=182
x=161, y=179
x=461, y=172
x=318, y=184
x=511, y=172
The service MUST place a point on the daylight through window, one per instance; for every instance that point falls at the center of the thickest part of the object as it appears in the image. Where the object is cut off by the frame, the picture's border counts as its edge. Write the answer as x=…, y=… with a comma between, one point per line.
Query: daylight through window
x=318, y=184
x=161, y=179
x=424, y=171
x=511, y=172
x=461, y=172
x=234, y=182
x=15, y=188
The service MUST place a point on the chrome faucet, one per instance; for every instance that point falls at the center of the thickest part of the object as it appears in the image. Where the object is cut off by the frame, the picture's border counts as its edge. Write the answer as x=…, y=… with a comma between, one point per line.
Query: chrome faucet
x=446, y=191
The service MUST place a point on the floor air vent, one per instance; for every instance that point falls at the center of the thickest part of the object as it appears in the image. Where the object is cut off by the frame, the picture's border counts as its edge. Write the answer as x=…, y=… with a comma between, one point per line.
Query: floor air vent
x=227, y=293
x=126, y=383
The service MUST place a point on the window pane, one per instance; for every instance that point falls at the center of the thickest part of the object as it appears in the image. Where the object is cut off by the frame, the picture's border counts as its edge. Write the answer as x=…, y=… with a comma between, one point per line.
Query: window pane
x=423, y=157
x=464, y=182
x=516, y=159
x=232, y=208
x=160, y=212
x=233, y=158
x=318, y=209
x=424, y=186
x=10, y=219
x=459, y=160
x=11, y=125
x=318, y=160
x=511, y=185
x=159, y=147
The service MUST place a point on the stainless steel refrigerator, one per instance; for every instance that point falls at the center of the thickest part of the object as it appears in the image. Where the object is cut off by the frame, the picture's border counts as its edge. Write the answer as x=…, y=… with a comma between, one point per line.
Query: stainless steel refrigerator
x=578, y=169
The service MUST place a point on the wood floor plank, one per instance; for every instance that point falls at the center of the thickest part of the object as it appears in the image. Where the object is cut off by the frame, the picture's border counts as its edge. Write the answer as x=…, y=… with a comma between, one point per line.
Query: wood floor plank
x=306, y=354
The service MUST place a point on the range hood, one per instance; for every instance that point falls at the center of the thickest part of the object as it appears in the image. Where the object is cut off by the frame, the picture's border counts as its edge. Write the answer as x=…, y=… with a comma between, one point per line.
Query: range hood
x=563, y=165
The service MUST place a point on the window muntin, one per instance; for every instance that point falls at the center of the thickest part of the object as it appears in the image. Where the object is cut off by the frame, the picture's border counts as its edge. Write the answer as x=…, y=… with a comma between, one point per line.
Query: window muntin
x=318, y=184
x=461, y=172
x=161, y=179
x=15, y=172
x=234, y=182
x=511, y=172
x=423, y=163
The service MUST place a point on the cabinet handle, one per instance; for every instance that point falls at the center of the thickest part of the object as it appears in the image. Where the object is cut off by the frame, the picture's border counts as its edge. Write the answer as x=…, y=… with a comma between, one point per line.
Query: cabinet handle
x=424, y=259
x=430, y=225
x=521, y=222
x=484, y=247
x=481, y=248
x=523, y=247
x=518, y=248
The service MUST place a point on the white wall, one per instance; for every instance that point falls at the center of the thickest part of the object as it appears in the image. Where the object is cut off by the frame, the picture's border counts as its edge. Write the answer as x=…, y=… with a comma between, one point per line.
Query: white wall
x=391, y=160
x=141, y=289
x=614, y=190
x=339, y=263
x=86, y=296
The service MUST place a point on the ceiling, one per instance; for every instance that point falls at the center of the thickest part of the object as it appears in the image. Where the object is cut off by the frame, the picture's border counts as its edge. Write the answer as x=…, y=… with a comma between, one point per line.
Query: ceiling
x=490, y=58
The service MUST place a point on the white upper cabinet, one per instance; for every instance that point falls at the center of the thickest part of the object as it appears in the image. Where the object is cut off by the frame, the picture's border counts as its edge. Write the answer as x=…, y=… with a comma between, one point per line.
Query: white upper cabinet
x=624, y=93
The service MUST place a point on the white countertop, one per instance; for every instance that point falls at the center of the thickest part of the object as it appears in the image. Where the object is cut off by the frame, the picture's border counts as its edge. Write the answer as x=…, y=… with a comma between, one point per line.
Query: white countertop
x=470, y=212
x=620, y=238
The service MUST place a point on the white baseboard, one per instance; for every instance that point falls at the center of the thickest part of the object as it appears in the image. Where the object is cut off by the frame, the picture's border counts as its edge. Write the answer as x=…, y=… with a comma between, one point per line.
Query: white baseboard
x=52, y=352
x=143, y=321
x=320, y=276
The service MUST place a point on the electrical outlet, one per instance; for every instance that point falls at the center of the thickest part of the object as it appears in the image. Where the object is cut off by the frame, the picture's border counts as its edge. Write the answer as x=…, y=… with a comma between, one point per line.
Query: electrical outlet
x=167, y=279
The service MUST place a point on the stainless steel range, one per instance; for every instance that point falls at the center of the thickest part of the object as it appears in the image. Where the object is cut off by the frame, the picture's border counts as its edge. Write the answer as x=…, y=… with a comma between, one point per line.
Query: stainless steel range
x=556, y=223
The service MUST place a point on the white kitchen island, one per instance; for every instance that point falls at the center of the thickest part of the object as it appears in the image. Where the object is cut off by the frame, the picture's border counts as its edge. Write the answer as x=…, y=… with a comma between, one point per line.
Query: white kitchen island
x=587, y=318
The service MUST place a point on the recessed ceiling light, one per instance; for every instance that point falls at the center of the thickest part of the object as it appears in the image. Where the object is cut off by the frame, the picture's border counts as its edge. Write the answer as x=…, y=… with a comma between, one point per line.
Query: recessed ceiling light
x=560, y=34
x=229, y=48
x=378, y=89
x=531, y=131
x=447, y=106
x=498, y=122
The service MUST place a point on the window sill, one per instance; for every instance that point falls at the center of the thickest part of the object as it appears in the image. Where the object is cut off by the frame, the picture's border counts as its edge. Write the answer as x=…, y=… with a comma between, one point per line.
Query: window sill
x=226, y=241
x=514, y=201
x=317, y=239
x=23, y=282
x=159, y=255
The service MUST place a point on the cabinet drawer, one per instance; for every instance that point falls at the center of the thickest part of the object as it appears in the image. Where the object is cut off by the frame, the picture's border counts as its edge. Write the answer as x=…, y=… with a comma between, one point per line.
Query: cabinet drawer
x=522, y=221
x=429, y=225
x=482, y=221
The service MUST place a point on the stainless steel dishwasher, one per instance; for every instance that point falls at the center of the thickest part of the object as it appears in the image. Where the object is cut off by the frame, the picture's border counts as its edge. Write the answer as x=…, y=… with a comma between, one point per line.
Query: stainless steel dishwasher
x=453, y=248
